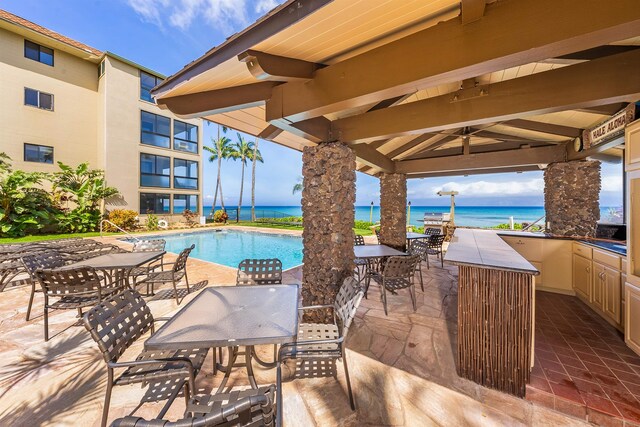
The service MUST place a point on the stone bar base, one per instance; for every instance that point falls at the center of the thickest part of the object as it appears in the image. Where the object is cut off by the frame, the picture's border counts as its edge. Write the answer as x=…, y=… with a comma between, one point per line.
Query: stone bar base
x=328, y=197
x=495, y=328
x=393, y=210
x=572, y=197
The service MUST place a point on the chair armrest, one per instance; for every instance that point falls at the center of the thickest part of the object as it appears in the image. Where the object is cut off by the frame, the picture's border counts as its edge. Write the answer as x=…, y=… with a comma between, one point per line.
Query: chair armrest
x=134, y=363
x=162, y=319
x=296, y=344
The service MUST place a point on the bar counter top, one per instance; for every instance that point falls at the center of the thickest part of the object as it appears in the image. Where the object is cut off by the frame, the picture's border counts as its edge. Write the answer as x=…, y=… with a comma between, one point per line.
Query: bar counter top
x=619, y=248
x=485, y=249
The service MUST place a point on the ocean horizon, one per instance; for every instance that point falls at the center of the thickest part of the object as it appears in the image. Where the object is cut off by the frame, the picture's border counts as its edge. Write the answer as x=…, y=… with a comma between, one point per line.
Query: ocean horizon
x=469, y=216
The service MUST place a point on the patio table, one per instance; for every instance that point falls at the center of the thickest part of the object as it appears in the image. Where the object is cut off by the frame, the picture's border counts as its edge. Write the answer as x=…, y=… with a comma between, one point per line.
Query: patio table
x=376, y=251
x=232, y=316
x=120, y=262
x=415, y=236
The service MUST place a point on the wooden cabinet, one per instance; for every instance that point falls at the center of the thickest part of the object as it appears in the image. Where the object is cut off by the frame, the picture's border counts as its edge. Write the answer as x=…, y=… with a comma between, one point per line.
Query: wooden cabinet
x=612, y=294
x=632, y=317
x=582, y=277
x=597, y=286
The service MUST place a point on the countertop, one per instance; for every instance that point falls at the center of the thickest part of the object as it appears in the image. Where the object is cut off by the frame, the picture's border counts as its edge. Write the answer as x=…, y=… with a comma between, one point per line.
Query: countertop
x=485, y=249
x=619, y=248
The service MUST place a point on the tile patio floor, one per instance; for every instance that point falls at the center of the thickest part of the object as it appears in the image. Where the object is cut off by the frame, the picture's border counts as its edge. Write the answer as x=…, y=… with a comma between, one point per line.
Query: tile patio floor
x=402, y=367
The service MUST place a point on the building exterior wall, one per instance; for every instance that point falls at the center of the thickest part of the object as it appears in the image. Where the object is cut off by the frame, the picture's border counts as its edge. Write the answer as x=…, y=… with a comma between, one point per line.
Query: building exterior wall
x=95, y=119
x=71, y=128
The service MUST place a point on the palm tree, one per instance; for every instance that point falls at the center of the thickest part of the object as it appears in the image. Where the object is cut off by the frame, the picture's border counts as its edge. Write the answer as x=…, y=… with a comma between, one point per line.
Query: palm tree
x=298, y=187
x=257, y=157
x=243, y=151
x=221, y=150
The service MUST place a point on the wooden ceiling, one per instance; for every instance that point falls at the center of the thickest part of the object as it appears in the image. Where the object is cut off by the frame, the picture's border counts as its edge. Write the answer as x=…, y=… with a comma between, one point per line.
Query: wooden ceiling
x=425, y=88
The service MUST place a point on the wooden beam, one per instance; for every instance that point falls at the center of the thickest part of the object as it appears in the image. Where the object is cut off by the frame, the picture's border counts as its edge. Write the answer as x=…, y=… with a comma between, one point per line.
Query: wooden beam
x=264, y=66
x=606, y=110
x=503, y=159
x=269, y=133
x=462, y=51
x=600, y=148
x=569, y=132
x=472, y=10
x=431, y=144
x=504, y=137
x=218, y=101
x=598, y=52
x=374, y=158
x=475, y=172
x=474, y=149
x=560, y=89
x=315, y=130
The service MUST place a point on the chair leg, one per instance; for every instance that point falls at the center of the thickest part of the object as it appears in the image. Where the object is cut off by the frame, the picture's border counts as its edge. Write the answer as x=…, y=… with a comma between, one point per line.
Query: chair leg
x=426, y=256
x=186, y=279
x=107, y=397
x=441, y=260
x=187, y=393
x=175, y=291
x=384, y=298
x=46, y=322
x=412, y=292
x=346, y=374
x=420, y=271
x=33, y=292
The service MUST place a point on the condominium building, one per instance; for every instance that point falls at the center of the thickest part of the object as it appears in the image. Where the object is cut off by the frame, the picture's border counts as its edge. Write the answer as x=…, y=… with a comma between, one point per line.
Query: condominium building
x=65, y=101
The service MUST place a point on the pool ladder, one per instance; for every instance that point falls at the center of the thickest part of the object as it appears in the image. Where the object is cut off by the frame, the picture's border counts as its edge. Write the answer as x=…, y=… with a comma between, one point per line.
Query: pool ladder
x=113, y=225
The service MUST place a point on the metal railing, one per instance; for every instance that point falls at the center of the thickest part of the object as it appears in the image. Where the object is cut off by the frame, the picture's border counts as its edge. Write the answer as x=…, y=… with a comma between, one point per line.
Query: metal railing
x=534, y=223
x=115, y=226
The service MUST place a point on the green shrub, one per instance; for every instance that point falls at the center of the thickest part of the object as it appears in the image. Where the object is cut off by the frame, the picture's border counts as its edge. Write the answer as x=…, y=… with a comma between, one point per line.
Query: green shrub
x=362, y=225
x=152, y=221
x=78, y=221
x=220, y=216
x=126, y=219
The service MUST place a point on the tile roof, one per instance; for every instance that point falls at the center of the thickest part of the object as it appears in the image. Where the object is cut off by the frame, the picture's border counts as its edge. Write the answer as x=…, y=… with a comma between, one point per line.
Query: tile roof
x=14, y=19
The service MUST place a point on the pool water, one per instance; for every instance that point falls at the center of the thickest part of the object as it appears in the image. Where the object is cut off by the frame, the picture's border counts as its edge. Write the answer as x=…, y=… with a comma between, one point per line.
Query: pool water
x=229, y=247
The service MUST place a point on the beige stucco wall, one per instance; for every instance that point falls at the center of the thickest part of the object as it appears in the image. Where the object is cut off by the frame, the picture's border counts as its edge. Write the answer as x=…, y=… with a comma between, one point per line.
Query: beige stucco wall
x=71, y=128
x=122, y=107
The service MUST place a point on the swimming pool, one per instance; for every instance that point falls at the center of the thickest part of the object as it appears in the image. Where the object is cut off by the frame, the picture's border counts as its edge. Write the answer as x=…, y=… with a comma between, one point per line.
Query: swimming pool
x=229, y=247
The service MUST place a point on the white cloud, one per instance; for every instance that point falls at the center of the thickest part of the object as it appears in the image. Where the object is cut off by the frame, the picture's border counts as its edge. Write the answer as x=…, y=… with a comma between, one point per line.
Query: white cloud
x=528, y=187
x=225, y=15
x=612, y=183
x=264, y=6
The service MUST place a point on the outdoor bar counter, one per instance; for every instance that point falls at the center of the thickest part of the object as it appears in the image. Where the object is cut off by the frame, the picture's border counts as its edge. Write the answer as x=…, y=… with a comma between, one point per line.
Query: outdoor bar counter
x=495, y=310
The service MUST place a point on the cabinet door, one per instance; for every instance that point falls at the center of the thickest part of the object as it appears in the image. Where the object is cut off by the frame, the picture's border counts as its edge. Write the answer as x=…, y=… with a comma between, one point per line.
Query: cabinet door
x=582, y=276
x=632, y=317
x=597, y=286
x=612, y=294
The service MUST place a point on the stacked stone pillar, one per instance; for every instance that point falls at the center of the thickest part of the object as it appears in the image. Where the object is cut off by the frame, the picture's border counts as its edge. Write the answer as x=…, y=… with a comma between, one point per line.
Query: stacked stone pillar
x=571, y=197
x=393, y=210
x=328, y=197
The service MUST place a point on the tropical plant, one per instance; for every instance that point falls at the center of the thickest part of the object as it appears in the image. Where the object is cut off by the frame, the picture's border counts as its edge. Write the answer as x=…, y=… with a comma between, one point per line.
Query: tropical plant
x=254, y=159
x=243, y=151
x=297, y=188
x=221, y=150
x=84, y=189
x=126, y=219
x=190, y=218
x=24, y=208
x=152, y=221
x=220, y=216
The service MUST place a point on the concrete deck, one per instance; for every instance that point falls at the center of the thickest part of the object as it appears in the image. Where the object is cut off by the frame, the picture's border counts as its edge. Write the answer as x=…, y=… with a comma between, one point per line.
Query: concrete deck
x=402, y=365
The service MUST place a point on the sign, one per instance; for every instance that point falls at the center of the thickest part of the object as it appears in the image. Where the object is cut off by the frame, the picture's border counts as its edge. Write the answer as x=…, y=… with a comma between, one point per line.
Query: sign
x=609, y=129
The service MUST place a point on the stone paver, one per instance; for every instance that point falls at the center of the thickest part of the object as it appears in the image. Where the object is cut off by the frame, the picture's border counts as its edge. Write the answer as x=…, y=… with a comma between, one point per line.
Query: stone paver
x=402, y=367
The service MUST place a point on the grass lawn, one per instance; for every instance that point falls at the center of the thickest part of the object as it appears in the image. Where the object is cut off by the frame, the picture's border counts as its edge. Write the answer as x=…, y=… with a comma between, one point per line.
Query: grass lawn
x=289, y=227
x=41, y=237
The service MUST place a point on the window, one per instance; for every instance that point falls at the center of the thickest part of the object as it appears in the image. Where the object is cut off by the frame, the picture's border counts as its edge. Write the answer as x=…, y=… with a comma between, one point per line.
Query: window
x=185, y=137
x=154, y=203
x=148, y=82
x=181, y=202
x=38, y=99
x=101, y=68
x=155, y=130
x=612, y=192
x=38, y=53
x=185, y=174
x=38, y=153
x=155, y=171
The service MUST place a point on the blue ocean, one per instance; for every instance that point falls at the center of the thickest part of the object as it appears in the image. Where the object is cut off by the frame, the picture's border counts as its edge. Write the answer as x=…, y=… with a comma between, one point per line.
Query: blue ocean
x=470, y=216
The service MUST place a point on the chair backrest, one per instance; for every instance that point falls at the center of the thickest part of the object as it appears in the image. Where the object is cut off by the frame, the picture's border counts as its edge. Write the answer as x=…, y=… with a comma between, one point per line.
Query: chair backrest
x=91, y=251
x=45, y=260
x=358, y=240
x=400, y=266
x=81, y=281
x=430, y=231
x=181, y=262
x=117, y=322
x=259, y=272
x=377, y=231
x=255, y=410
x=419, y=247
x=151, y=245
x=435, y=242
x=347, y=302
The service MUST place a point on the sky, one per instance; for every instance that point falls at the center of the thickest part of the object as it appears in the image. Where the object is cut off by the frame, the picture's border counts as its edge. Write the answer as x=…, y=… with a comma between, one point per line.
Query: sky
x=165, y=35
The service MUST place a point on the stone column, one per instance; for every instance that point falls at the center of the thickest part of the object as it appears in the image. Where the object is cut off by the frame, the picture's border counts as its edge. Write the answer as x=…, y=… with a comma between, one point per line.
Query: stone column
x=571, y=197
x=328, y=197
x=393, y=210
